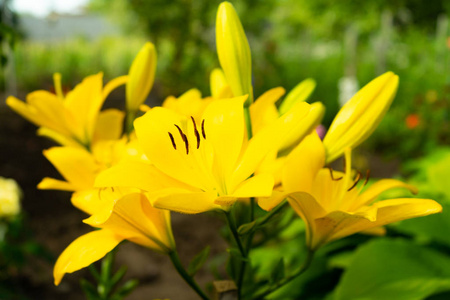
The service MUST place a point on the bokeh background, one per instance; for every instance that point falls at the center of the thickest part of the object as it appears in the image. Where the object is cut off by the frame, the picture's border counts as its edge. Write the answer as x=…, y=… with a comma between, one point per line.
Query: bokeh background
x=341, y=44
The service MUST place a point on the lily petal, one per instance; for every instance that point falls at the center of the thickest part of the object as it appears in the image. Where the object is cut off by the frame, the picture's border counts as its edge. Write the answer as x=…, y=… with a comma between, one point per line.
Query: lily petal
x=372, y=192
x=138, y=175
x=219, y=85
x=303, y=164
x=109, y=125
x=84, y=102
x=61, y=139
x=184, y=201
x=224, y=129
x=390, y=211
x=133, y=218
x=264, y=111
x=76, y=165
x=308, y=209
x=84, y=251
x=269, y=139
x=55, y=184
x=305, y=126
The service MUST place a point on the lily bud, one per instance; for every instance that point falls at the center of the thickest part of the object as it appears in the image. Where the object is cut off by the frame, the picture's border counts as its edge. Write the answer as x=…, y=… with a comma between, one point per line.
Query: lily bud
x=299, y=93
x=141, y=77
x=359, y=117
x=234, y=51
x=219, y=85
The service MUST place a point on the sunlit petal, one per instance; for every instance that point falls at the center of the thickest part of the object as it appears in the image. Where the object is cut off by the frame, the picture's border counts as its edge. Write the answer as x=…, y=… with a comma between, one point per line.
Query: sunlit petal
x=84, y=251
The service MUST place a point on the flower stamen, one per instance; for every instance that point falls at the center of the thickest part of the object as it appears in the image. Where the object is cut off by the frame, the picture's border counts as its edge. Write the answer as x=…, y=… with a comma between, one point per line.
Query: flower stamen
x=332, y=177
x=358, y=177
x=197, y=134
x=367, y=177
x=173, y=141
x=203, y=129
x=184, y=138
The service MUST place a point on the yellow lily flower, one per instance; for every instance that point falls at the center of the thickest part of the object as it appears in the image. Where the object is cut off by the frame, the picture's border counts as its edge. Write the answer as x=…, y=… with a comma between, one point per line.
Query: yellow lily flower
x=330, y=202
x=70, y=120
x=233, y=51
x=210, y=161
x=131, y=218
x=359, y=117
x=188, y=104
x=79, y=168
x=141, y=77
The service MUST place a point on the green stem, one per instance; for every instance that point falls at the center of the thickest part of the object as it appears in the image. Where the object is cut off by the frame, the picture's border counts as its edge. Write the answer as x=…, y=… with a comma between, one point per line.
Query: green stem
x=182, y=271
x=248, y=122
x=261, y=221
x=247, y=248
x=131, y=115
x=286, y=280
x=232, y=226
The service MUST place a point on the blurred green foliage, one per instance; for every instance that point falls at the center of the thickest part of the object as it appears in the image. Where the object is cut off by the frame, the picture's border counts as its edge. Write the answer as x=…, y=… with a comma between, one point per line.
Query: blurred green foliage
x=290, y=41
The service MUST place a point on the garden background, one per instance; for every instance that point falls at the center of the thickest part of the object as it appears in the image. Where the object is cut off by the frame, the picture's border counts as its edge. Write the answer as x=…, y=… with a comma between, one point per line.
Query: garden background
x=341, y=44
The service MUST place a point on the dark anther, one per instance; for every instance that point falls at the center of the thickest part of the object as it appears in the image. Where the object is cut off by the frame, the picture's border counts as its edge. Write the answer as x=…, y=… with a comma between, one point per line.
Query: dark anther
x=332, y=177
x=184, y=137
x=358, y=177
x=203, y=129
x=197, y=135
x=367, y=177
x=173, y=141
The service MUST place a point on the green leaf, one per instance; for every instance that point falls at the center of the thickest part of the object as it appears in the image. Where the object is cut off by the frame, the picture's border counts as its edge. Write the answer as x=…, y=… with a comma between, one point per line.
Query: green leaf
x=430, y=228
x=384, y=268
x=125, y=290
x=198, y=261
x=89, y=290
x=278, y=271
x=118, y=275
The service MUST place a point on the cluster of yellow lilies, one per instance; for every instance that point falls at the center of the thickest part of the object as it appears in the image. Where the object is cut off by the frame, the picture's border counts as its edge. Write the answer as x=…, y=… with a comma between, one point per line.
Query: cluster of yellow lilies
x=196, y=154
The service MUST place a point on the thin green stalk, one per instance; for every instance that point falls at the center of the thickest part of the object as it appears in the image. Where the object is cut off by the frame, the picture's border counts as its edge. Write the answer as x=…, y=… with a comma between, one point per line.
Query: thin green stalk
x=233, y=229
x=131, y=115
x=247, y=249
x=286, y=280
x=248, y=122
x=183, y=273
x=261, y=221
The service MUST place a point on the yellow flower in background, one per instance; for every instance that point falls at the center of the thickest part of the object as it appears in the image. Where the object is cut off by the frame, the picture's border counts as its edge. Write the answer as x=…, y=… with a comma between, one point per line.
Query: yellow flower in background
x=360, y=116
x=131, y=218
x=210, y=161
x=234, y=52
x=10, y=195
x=220, y=89
x=141, y=77
x=79, y=168
x=299, y=93
x=331, y=203
x=71, y=119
